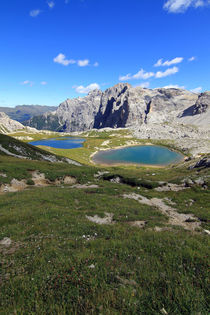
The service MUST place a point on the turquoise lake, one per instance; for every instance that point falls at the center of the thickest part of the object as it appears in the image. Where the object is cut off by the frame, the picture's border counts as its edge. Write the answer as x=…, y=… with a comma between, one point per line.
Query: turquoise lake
x=145, y=154
x=148, y=155
x=61, y=143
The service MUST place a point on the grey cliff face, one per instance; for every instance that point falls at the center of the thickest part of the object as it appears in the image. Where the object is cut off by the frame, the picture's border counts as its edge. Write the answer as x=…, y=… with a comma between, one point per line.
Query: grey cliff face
x=125, y=106
x=199, y=113
x=202, y=104
x=113, y=110
x=79, y=114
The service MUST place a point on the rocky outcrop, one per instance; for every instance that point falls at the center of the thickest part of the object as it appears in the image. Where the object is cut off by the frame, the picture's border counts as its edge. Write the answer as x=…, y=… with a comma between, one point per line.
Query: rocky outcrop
x=199, y=113
x=203, y=103
x=9, y=125
x=125, y=106
x=72, y=115
x=204, y=163
x=79, y=114
x=114, y=107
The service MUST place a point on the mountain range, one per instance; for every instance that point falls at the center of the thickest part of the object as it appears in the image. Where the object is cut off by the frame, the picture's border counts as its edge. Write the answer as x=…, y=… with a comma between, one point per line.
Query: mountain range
x=124, y=106
x=25, y=112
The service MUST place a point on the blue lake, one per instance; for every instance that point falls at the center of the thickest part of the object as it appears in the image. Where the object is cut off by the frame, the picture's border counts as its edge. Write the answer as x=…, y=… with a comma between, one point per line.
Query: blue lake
x=148, y=155
x=61, y=143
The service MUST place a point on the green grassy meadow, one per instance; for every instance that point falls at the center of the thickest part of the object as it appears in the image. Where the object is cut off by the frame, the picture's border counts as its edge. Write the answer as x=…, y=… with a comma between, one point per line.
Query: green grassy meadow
x=59, y=262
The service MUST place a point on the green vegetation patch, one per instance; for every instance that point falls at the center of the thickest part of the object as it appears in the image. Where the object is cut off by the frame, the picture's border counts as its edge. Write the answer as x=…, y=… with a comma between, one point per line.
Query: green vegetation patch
x=59, y=261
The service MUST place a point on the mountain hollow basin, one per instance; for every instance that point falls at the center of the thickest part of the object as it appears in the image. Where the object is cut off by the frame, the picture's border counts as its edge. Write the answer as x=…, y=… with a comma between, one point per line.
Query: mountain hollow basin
x=60, y=143
x=151, y=155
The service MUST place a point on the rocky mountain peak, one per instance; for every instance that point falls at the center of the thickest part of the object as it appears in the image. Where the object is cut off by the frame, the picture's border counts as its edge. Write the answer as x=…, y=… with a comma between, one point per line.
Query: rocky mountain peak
x=172, y=92
x=125, y=106
x=95, y=92
x=117, y=89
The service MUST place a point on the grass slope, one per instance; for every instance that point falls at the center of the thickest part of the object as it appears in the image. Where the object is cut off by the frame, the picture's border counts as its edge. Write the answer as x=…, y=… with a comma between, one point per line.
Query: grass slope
x=21, y=149
x=61, y=263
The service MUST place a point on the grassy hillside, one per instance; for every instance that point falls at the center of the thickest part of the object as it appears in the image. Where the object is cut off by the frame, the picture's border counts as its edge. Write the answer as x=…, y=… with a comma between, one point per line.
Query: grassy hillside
x=10, y=146
x=57, y=261
x=41, y=122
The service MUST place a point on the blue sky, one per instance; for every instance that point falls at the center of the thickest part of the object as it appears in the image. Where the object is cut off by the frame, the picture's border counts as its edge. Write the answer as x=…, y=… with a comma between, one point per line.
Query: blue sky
x=58, y=49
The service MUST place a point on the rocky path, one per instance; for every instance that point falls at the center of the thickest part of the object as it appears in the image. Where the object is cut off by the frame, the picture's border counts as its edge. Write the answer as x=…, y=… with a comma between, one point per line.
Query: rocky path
x=38, y=179
x=187, y=221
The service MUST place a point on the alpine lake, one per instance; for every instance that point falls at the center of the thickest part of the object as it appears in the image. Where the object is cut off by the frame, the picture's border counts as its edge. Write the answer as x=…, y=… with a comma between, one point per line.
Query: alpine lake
x=138, y=154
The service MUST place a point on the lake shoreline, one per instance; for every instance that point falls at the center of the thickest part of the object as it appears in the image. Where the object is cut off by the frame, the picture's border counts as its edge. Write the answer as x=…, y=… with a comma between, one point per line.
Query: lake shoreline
x=134, y=164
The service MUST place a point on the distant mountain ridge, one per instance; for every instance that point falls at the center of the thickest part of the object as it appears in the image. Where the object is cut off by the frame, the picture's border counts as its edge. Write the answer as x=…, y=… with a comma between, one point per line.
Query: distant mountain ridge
x=26, y=112
x=125, y=106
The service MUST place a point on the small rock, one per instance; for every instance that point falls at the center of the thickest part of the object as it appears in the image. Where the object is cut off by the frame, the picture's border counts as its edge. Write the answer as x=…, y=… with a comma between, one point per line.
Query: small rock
x=80, y=186
x=3, y=175
x=139, y=224
x=199, y=181
x=205, y=162
x=91, y=266
x=6, y=242
x=99, y=174
x=163, y=311
x=207, y=232
x=69, y=180
x=126, y=281
x=188, y=182
x=191, y=201
x=116, y=180
x=108, y=219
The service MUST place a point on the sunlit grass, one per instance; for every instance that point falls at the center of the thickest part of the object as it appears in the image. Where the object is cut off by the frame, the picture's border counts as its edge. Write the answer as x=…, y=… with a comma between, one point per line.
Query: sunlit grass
x=61, y=263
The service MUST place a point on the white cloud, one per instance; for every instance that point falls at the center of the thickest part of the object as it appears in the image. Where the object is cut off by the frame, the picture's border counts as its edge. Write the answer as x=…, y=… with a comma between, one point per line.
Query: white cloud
x=43, y=83
x=83, y=63
x=147, y=75
x=170, y=71
x=61, y=59
x=197, y=90
x=86, y=89
x=141, y=74
x=144, y=85
x=180, y=6
x=159, y=63
x=34, y=13
x=168, y=63
x=51, y=4
x=125, y=77
x=192, y=58
x=174, y=86
x=27, y=82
